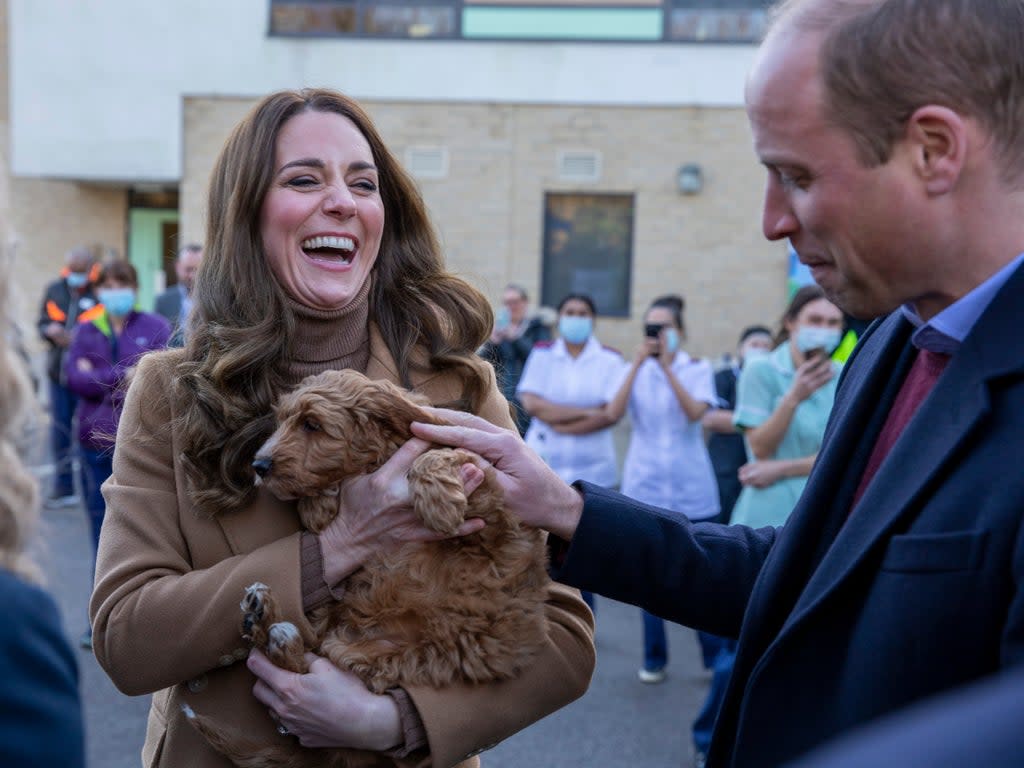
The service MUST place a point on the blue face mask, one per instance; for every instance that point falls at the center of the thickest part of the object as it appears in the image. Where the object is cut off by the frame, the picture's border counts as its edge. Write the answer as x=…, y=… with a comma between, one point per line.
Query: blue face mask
x=811, y=337
x=117, y=301
x=77, y=279
x=575, y=330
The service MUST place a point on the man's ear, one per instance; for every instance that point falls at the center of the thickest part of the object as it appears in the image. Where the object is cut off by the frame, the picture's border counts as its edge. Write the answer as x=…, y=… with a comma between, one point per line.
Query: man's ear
x=938, y=140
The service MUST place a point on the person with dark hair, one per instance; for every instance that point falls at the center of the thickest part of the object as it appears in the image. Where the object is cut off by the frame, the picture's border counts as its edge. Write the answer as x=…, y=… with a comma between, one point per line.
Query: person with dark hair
x=890, y=134
x=319, y=256
x=113, y=337
x=725, y=443
x=565, y=387
x=175, y=303
x=783, y=402
x=513, y=338
x=667, y=393
x=64, y=302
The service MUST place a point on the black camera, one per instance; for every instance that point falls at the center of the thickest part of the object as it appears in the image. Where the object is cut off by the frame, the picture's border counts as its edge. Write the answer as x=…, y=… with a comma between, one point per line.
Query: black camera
x=652, y=330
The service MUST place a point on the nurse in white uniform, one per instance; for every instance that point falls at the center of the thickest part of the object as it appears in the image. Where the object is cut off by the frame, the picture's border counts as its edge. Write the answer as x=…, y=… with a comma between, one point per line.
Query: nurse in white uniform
x=565, y=386
x=667, y=465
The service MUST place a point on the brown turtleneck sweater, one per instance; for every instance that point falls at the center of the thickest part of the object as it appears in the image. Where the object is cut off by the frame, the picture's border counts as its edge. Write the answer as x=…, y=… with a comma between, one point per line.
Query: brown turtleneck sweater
x=329, y=339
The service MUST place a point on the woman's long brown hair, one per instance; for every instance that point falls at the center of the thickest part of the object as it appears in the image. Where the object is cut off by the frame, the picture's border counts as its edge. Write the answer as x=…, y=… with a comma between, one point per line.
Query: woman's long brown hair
x=231, y=370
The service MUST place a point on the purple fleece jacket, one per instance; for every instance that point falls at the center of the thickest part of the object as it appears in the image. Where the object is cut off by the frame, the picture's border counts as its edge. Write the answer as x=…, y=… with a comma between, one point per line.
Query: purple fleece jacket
x=100, y=390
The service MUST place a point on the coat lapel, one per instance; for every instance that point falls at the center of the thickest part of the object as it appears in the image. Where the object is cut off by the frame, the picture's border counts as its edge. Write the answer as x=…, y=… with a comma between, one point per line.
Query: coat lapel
x=921, y=457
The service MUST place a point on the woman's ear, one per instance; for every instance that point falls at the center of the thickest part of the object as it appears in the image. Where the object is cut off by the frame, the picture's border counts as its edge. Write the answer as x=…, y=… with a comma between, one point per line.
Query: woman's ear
x=938, y=138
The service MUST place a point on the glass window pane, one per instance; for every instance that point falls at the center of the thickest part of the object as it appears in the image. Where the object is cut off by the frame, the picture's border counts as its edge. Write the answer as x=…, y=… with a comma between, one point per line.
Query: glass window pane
x=719, y=26
x=588, y=248
x=562, y=23
x=406, y=21
x=313, y=18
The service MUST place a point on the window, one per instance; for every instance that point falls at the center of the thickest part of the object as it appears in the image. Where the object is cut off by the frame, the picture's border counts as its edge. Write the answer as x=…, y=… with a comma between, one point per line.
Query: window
x=561, y=20
x=588, y=248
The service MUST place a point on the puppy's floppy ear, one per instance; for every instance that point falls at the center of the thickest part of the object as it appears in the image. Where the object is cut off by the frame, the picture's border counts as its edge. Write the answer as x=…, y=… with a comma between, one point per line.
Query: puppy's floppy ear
x=399, y=407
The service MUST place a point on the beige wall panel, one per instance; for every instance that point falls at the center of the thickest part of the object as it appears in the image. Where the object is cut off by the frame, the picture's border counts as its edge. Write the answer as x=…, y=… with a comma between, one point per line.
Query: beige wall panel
x=488, y=210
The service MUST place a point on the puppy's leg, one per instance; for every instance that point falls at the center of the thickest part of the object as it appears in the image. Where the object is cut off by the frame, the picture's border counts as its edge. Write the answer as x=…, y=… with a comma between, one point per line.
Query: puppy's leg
x=280, y=640
x=437, y=493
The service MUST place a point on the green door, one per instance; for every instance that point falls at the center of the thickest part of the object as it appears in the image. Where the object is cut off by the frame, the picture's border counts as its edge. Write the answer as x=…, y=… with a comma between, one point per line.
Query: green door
x=152, y=242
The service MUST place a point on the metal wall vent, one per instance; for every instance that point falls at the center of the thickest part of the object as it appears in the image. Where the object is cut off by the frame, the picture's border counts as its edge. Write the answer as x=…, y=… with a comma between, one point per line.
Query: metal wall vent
x=427, y=162
x=579, y=165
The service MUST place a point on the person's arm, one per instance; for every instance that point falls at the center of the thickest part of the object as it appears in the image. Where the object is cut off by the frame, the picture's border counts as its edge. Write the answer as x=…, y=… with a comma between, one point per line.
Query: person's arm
x=693, y=408
x=158, y=618
x=761, y=474
x=90, y=373
x=549, y=412
x=810, y=376
x=719, y=420
x=615, y=408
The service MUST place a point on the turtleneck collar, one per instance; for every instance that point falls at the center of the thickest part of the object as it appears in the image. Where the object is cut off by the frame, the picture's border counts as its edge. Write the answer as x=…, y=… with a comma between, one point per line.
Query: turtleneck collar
x=329, y=339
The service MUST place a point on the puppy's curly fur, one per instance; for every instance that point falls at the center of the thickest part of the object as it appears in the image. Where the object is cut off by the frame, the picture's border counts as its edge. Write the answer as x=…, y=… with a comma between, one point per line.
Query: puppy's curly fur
x=467, y=609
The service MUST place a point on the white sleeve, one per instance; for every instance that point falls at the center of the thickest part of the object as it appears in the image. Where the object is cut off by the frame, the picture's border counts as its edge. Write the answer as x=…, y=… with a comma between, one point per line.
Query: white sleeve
x=618, y=370
x=700, y=382
x=535, y=373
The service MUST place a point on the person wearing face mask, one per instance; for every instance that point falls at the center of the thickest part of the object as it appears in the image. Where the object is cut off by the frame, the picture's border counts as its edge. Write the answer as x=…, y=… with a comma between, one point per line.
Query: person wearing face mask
x=667, y=393
x=565, y=386
x=64, y=302
x=783, y=403
x=104, y=349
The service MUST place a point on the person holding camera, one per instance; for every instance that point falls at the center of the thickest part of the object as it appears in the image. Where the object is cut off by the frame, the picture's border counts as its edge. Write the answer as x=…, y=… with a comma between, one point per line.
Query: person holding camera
x=667, y=464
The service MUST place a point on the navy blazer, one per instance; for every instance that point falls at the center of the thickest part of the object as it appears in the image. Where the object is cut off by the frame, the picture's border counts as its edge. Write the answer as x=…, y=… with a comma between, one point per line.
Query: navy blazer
x=40, y=711
x=844, y=620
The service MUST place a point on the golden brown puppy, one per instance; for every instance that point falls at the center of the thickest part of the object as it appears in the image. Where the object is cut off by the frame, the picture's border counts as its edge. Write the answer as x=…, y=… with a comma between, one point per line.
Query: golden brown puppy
x=467, y=609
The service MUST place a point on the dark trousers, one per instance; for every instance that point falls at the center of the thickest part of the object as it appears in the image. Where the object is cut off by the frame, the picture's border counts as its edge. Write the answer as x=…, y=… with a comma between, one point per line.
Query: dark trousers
x=721, y=671
x=655, y=643
x=96, y=467
x=62, y=412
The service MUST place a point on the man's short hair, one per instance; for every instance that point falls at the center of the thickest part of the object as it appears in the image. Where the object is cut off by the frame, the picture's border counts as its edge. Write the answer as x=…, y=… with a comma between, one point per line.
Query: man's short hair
x=881, y=60
x=190, y=248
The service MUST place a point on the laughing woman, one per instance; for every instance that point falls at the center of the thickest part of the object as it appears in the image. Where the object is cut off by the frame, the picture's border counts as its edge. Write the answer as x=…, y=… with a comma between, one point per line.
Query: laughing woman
x=319, y=255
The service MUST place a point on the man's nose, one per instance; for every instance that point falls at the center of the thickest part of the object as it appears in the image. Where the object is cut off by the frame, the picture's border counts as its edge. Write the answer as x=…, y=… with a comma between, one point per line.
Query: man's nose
x=777, y=220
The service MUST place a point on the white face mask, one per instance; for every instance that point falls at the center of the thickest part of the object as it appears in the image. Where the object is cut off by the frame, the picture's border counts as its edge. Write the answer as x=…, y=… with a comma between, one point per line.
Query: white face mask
x=810, y=337
x=672, y=340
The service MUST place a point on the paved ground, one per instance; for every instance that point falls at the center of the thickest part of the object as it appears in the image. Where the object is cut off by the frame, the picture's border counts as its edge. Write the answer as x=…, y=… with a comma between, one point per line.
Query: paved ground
x=619, y=723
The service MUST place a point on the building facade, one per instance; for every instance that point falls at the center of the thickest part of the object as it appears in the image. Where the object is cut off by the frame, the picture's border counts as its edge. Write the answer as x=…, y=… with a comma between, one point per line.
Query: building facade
x=600, y=147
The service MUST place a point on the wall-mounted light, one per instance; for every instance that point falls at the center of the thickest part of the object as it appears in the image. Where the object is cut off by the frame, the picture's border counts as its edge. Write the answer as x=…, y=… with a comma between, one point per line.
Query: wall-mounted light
x=690, y=179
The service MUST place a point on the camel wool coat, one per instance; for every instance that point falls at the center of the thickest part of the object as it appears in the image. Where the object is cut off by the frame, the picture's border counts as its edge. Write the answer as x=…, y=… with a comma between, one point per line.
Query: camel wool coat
x=165, y=609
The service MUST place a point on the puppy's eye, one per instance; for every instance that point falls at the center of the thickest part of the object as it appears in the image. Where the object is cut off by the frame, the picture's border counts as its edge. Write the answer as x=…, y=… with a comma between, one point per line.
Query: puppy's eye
x=311, y=426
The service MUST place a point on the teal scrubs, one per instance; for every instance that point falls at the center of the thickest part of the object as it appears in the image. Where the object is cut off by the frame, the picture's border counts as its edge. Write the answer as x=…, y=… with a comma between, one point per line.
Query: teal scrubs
x=762, y=384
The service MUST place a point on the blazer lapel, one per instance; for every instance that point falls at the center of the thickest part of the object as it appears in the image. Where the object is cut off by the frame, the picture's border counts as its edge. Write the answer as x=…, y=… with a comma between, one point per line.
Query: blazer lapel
x=921, y=456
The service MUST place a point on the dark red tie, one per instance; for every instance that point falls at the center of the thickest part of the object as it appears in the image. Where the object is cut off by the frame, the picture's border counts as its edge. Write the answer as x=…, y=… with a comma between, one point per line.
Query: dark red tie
x=922, y=376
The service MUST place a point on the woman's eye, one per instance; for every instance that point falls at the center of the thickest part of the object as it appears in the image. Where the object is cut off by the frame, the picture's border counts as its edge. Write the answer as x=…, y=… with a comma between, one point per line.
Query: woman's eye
x=365, y=186
x=302, y=181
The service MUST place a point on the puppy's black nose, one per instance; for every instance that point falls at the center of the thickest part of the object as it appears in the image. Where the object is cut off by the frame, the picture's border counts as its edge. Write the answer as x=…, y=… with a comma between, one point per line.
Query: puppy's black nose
x=262, y=465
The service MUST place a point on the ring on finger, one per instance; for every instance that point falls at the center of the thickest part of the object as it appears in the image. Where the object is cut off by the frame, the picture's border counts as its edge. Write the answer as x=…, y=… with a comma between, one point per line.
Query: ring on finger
x=282, y=730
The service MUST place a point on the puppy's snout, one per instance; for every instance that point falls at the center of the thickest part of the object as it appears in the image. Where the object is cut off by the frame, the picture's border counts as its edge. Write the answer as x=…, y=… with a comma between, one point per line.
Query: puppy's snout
x=263, y=465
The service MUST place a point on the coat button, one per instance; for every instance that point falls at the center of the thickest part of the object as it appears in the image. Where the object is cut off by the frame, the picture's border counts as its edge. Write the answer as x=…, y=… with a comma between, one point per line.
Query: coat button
x=227, y=660
x=197, y=684
x=241, y=653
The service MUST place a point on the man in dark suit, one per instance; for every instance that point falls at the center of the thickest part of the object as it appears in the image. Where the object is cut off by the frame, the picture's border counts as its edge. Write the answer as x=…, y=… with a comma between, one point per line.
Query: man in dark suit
x=176, y=302
x=889, y=130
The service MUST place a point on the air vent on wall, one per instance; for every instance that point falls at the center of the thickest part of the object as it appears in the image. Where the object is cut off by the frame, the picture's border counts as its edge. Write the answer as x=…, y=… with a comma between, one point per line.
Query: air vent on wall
x=579, y=165
x=427, y=162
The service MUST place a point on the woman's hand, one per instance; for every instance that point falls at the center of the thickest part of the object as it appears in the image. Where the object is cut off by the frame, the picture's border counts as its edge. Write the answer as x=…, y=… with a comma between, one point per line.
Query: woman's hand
x=533, y=492
x=812, y=374
x=761, y=474
x=376, y=514
x=327, y=707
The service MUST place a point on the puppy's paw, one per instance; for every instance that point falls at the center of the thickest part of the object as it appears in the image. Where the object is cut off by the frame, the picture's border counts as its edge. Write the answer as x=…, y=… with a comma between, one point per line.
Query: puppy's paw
x=256, y=607
x=285, y=647
x=437, y=492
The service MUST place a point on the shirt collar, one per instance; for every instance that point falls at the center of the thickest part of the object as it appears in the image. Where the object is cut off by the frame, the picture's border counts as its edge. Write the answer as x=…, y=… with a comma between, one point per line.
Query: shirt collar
x=946, y=331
